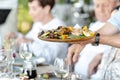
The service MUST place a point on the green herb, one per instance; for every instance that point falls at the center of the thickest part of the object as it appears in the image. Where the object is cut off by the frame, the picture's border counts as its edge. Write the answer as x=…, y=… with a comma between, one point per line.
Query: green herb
x=71, y=36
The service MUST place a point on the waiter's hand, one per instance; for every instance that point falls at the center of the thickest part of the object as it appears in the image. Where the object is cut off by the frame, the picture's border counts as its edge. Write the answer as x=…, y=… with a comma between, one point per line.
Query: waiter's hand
x=73, y=53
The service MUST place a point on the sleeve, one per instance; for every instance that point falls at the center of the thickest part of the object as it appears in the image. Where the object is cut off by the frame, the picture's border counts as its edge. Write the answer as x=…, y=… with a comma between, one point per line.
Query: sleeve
x=50, y=50
x=115, y=20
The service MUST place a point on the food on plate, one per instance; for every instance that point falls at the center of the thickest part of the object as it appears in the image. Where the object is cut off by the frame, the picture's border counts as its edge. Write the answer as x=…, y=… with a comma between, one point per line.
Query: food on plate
x=46, y=75
x=68, y=32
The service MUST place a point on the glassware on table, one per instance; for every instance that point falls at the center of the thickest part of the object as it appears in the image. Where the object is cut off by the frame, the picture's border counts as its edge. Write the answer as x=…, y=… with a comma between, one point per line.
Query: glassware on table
x=3, y=64
x=6, y=71
x=61, y=68
x=76, y=76
x=9, y=49
x=30, y=70
x=25, y=51
x=29, y=67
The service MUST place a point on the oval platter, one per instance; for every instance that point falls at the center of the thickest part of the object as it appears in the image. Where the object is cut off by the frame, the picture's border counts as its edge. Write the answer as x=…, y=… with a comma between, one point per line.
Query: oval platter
x=66, y=40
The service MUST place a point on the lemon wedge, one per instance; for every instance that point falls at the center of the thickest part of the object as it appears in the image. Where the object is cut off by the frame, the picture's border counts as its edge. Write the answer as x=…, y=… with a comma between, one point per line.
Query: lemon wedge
x=85, y=28
x=88, y=33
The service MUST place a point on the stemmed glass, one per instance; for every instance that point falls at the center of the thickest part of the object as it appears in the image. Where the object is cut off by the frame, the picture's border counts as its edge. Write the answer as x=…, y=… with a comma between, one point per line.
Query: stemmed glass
x=29, y=67
x=8, y=49
x=3, y=64
x=25, y=51
x=61, y=68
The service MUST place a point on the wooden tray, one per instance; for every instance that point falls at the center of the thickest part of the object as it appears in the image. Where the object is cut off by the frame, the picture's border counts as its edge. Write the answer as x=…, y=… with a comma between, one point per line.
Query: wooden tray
x=65, y=40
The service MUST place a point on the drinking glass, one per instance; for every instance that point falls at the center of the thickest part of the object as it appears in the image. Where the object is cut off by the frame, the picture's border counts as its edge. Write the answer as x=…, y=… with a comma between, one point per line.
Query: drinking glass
x=29, y=67
x=61, y=68
x=25, y=51
x=9, y=50
x=30, y=70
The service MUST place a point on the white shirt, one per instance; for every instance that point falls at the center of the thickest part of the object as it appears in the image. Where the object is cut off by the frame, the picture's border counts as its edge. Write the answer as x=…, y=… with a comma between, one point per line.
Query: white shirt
x=115, y=19
x=47, y=50
x=103, y=69
x=89, y=52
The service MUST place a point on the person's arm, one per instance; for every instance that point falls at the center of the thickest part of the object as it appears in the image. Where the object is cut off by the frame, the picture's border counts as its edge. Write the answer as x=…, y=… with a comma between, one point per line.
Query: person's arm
x=94, y=64
x=73, y=53
x=108, y=29
x=113, y=40
x=111, y=27
x=108, y=34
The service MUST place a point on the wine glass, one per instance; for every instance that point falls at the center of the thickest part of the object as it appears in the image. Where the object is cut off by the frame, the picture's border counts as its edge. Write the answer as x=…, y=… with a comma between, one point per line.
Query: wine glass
x=25, y=51
x=29, y=67
x=8, y=49
x=61, y=68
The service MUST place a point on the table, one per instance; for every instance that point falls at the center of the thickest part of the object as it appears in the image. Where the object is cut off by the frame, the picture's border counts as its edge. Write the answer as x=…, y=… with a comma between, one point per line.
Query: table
x=50, y=69
x=45, y=68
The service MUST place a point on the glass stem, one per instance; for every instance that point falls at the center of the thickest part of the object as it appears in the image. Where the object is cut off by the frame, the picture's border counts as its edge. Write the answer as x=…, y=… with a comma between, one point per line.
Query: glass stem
x=61, y=77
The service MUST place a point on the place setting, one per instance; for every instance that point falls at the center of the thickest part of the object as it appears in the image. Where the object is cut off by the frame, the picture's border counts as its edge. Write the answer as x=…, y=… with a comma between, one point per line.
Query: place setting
x=26, y=62
x=61, y=71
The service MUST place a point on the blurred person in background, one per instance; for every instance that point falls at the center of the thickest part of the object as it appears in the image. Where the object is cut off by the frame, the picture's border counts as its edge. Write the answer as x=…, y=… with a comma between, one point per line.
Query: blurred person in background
x=40, y=11
x=102, y=10
x=108, y=60
x=109, y=35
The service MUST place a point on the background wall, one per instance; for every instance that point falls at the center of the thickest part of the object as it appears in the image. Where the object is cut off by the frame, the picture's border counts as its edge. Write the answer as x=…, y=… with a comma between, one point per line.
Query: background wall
x=74, y=11
x=23, y=18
